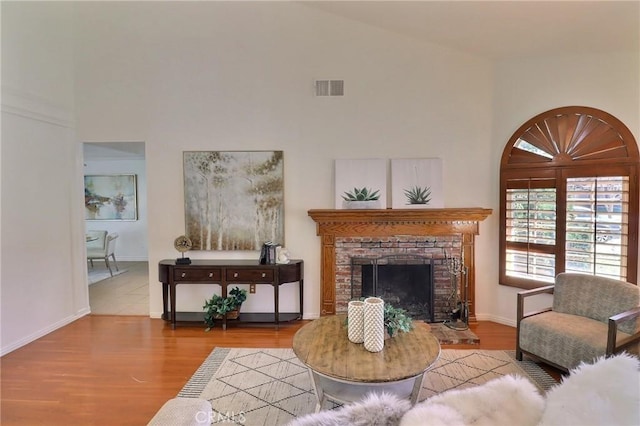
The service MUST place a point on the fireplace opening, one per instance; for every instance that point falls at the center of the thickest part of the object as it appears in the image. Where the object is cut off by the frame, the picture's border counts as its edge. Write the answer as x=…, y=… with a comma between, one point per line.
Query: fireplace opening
x=405, y=281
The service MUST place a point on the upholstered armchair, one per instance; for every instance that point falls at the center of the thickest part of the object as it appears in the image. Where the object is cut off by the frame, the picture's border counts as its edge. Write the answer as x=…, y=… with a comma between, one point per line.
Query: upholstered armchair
x=590, y=317
x=102, y=248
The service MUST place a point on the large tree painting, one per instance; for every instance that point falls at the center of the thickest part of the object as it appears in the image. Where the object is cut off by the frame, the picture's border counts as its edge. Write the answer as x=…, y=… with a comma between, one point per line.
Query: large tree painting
x=234, y=200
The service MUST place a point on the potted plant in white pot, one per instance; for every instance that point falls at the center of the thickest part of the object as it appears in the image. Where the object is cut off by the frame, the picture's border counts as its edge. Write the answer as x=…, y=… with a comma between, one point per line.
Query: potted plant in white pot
x=361, y=198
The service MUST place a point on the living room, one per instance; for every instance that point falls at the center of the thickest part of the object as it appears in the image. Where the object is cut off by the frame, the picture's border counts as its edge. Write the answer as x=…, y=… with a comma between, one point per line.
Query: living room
x=239, y=76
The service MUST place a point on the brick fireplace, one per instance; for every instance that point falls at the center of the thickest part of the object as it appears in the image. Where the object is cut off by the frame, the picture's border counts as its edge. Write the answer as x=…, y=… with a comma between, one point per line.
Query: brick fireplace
x=373, y=233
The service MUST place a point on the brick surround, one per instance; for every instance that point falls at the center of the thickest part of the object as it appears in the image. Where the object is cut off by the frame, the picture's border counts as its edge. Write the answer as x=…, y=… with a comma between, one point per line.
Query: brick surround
x=431, y=247
x=426, y=232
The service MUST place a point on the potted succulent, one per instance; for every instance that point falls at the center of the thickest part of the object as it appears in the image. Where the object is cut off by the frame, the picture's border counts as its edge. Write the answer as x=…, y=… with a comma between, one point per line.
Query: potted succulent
x=361, y=198
x=217, y=307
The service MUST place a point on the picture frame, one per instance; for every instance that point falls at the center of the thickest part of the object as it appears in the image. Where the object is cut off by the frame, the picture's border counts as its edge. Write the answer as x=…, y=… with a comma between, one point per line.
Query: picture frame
x=233, y=200
x=354, y=175
x=413, y=180
x=111, y=197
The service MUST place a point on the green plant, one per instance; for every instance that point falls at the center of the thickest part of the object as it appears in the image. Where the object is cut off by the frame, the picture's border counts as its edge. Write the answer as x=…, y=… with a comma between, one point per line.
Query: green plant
x=396, y=320
x=418, y=195
x=362, y=194
x=218, y=306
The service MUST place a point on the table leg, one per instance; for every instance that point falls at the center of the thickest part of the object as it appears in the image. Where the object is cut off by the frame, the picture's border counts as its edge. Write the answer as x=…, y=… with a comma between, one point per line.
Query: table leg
x=317, y=388
x=301, y=286
x=276, y=304
x=173, y=306
x=165, y=301
x=417, y=386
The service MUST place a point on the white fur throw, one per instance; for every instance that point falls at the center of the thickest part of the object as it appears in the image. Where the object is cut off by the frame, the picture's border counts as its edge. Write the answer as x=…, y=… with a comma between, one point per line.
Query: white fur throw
x=604, y=393
x=382, y=409
x=508, y=401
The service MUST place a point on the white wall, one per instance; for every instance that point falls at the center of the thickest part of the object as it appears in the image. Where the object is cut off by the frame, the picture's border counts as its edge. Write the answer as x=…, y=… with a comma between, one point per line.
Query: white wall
x=525, y=88
x=42, y=285
x=131, y=244
x=239, y=76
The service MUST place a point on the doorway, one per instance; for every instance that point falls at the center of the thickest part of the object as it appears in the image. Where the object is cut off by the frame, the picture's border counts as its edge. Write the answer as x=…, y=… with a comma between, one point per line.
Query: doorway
x=123, y=290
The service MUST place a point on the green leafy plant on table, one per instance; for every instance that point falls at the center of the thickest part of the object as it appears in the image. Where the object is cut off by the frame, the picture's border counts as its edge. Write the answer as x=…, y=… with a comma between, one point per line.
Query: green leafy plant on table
x=396, y=320
x=217, y=307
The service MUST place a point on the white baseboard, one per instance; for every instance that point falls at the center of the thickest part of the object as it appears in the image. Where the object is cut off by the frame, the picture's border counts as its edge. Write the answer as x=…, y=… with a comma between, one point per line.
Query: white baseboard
x=494, y=318
x=132, y=259
x=40, y=333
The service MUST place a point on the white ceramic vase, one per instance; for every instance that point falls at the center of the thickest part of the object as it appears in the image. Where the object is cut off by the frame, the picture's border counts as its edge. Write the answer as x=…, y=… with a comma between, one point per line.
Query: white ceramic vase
x=355, y=321
x=373, y=324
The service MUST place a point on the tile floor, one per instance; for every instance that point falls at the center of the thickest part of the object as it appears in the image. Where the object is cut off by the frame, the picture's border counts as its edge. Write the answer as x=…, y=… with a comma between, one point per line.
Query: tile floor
x=124, y=294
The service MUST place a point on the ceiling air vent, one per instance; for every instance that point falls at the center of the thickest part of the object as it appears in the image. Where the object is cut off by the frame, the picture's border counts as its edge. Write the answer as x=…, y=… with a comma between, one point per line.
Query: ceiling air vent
x=329, y=87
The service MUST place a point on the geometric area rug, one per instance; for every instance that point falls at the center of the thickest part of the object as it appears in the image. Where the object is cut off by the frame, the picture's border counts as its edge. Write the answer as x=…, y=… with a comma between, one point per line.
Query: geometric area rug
x=263, y=387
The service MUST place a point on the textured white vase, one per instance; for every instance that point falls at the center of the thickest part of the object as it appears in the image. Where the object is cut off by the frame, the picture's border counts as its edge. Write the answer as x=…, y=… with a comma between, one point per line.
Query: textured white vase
x=373, y=324
x=355, y=321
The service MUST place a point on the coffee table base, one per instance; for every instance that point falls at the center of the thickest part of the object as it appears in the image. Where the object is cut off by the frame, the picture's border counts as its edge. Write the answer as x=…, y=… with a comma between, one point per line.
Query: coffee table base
x=329, y=388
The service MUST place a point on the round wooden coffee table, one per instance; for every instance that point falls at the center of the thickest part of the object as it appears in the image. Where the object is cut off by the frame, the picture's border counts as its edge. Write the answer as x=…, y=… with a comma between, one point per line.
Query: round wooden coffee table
x=344, y=372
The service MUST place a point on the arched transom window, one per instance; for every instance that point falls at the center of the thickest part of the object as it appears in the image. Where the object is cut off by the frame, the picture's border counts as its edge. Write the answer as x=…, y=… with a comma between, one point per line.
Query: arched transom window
x=569, y=198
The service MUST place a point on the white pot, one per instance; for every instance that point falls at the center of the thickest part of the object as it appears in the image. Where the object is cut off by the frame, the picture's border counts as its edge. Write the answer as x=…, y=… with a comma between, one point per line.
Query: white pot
x=363, y=205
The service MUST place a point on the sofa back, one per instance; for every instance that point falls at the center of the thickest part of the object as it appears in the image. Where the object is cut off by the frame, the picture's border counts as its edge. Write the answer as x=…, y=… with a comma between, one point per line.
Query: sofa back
x=595, y=297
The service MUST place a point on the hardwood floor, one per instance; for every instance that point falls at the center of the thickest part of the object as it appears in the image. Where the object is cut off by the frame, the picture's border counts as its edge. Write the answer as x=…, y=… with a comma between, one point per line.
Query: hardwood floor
x=119, y=370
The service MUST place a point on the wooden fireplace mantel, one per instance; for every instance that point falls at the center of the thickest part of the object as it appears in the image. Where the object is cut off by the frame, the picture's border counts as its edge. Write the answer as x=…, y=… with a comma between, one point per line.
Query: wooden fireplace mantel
x=421, y=222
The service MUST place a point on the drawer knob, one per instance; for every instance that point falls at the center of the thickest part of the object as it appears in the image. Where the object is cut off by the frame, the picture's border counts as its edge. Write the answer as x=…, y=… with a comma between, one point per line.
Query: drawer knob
x=235, y=275
x=264, y=274
x=210, y=274
x=184, y=274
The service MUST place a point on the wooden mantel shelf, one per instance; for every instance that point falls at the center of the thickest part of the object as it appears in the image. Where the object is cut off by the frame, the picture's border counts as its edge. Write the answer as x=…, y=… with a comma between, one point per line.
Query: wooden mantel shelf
x=399, y=221
x=423, y=222
x=466, y=214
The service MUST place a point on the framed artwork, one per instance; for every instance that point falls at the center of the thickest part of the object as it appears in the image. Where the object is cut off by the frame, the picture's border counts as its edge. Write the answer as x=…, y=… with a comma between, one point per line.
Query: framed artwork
x=110, y=197
x=361, y=184
x=233, y=200
x=416, y=183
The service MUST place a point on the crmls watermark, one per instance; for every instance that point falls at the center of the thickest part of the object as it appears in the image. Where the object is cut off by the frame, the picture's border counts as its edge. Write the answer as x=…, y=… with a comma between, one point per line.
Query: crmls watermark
x=219, y=417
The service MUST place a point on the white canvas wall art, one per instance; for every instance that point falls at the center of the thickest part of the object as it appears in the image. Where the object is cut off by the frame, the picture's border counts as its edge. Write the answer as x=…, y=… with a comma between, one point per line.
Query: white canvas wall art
x=416, y=183
x=363, y=182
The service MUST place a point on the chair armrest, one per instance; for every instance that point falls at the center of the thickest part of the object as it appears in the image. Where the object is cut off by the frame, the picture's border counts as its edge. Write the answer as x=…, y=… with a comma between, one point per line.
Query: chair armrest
x=612, y=347
x=527, y=293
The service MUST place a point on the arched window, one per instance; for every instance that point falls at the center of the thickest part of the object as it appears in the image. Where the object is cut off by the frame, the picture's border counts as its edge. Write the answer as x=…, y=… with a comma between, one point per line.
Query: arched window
x=569, y=191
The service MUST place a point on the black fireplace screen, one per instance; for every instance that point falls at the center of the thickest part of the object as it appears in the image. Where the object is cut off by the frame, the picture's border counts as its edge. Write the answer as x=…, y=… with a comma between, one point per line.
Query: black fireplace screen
x=405, y=281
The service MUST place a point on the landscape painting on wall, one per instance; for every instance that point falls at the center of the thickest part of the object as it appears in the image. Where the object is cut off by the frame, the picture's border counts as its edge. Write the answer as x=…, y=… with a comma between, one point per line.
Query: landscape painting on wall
x=110, y=197
x=417, y=183
x=361, y=184
x=234, y=200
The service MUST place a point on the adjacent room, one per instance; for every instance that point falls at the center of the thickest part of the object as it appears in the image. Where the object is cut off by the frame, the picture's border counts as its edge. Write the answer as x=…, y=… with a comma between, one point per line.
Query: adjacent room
x=203, y=203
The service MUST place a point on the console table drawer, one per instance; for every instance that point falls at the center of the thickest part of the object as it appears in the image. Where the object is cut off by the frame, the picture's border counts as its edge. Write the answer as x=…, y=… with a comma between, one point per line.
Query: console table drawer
x=250, y=275
x=192, y=274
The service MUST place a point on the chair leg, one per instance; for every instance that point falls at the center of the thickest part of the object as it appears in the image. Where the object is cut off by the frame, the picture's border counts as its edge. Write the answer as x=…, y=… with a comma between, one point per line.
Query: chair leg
x=114, y=261
x=91, y=262
x=106, y=260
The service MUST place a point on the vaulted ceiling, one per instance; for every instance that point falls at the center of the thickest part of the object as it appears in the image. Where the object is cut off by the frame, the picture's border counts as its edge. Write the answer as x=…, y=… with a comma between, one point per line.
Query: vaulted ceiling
x=504, y=29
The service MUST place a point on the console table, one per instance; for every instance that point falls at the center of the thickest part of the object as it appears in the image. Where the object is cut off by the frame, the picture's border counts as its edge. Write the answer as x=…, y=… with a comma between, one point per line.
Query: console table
x=226, y=273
